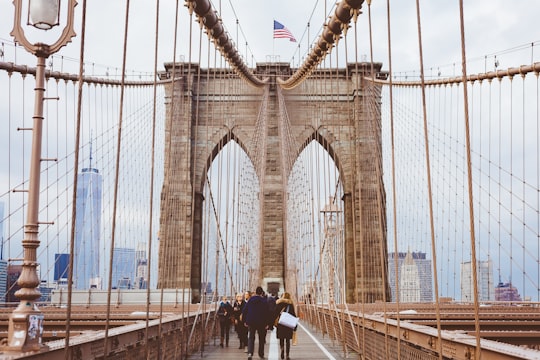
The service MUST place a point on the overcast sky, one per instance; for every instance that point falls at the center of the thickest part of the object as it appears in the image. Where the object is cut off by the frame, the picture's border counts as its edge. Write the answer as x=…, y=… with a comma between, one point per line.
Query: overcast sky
x=491, y=26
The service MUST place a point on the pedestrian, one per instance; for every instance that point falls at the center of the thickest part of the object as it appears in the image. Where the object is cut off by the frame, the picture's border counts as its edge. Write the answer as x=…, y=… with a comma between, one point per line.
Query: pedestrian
x=272, y=308
x=239, y=327
x=225, y=312
x=256, y=317
x=283, y=333
x=247, y=296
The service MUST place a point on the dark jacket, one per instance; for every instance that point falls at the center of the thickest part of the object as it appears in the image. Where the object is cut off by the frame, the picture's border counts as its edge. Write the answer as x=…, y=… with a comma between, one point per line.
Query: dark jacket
x=237, y=308
x=256, y=312
x=225, y=311
x=272, y=304
x=287, y=305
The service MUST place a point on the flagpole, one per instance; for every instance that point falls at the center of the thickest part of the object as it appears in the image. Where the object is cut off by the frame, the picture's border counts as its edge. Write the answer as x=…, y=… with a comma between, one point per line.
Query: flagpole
x=273, y=41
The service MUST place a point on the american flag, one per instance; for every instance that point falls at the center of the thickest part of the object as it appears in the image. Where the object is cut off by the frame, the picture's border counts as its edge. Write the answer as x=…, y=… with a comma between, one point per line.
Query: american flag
x=281, y=32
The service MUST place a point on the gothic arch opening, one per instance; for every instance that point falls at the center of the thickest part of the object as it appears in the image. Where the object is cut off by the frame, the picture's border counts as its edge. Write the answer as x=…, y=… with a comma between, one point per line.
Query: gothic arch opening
x=230, y=218
x=220, y=146
x=315, y=226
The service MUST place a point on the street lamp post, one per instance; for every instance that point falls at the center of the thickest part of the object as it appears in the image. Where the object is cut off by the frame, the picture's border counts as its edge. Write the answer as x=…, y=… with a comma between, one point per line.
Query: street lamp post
x=26, y=321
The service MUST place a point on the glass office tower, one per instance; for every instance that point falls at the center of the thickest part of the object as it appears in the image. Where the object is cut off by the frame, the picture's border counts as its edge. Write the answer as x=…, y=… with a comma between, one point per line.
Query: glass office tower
x=87, y=230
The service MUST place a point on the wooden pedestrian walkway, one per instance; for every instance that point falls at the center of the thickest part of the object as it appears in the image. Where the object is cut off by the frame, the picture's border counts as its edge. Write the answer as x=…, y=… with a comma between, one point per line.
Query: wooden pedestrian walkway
x=310, y=345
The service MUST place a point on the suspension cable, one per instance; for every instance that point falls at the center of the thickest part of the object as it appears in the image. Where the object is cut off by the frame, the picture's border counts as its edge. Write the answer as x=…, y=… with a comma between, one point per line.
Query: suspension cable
x=211, y=21
x=428, y=174
x=330, y=35
x=75, y=181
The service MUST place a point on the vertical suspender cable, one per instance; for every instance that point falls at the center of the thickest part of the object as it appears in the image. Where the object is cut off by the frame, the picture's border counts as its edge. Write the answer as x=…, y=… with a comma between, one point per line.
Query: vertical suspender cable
x=10, y=78
x=375, y=128
x=165, y=256
x=234, y=238
x=537, y=122
x=194, y=187
x=217, y=167
x=523, y=203
x=24, y=157
x=152, y=175
x=117, y=173
x=336, y=236
x=311, y=202
x=217, y=214
x=184, y=203
x=393, y=174
x=209, y=200
x=45, y=143
x=349, y=99
x=490, y=83
x=226, y=156
x=316, y=202
x=342, y=218
x=219, y=237
x=470, y=185
x=358, y=215
x=428, y=170
x=511, y=185
x=328, y=194
x=499, y=172
x=204, y=227
x=74, y=196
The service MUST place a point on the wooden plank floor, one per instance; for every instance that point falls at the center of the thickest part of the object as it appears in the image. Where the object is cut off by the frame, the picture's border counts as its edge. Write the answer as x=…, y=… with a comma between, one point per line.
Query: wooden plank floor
x=310, y=345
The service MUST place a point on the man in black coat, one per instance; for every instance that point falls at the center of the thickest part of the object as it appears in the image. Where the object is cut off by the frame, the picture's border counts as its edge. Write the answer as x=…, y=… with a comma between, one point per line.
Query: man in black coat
x=256, y=317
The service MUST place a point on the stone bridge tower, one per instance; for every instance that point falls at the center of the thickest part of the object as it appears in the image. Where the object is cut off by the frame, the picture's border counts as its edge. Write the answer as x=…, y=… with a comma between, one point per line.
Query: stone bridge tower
x=220, y=105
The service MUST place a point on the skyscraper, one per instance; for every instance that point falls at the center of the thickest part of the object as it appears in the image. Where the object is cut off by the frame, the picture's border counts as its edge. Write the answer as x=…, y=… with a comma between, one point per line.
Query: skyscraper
x=87, y=229
x=486, y=290
x=13, y=273
x=414, y=274
x=3, y=279
x=506, y=292
x=1, y=230
x=142, y=267
x=123, y=271
x=3, y=263
x=409, y=289
x=61, y=266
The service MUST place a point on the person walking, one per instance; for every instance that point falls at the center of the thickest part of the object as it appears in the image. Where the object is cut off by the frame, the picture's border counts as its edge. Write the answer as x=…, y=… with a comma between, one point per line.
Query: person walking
x=256, y=318
x=271, y=299
x=283, y=333
x=239, y=327
x=225, y=312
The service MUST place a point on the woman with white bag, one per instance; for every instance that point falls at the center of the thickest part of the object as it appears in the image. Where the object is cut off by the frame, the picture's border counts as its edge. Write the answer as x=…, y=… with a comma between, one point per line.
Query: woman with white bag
x=284, y=333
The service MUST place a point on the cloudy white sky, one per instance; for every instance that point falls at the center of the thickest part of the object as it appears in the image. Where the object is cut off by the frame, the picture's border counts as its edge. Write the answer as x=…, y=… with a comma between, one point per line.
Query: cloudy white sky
x=491, y=27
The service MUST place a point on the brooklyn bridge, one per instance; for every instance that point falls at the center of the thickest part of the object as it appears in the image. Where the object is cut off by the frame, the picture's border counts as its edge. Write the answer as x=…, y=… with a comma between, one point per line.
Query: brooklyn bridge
x=379, y=162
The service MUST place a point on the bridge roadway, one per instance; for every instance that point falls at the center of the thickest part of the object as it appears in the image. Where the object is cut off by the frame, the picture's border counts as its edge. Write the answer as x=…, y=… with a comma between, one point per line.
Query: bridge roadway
x=508, y=332
x=311, y=344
